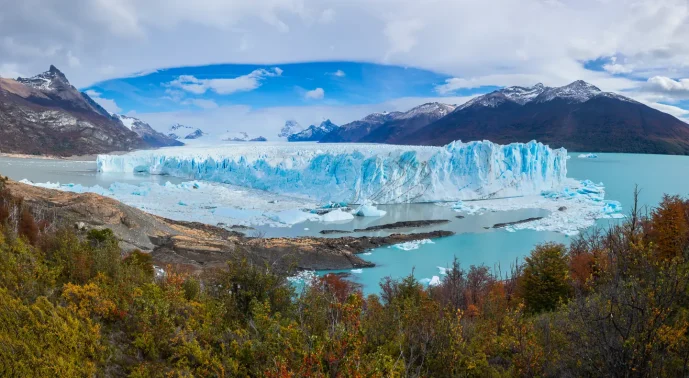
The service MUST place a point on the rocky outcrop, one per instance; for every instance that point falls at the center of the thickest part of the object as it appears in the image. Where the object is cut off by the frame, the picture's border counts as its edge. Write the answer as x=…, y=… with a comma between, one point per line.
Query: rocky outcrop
x=195, y=245
x=147, y=133
x=391, y=226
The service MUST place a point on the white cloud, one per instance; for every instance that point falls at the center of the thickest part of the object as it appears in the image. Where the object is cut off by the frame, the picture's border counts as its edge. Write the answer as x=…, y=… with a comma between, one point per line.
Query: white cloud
x=327, y=16
x=316, y=94
x=669, y=109
x=673, y=89
x=10, y=70
x=402, y=35
x=107, y=104
x=242, y=83
x=616, y=68
x=72, y=60
x=456, y=83
x=339, y=73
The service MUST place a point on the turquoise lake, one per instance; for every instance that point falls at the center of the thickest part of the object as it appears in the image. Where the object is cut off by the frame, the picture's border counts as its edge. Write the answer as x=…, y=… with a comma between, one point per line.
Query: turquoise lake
x=472, y=245
x=655, y=174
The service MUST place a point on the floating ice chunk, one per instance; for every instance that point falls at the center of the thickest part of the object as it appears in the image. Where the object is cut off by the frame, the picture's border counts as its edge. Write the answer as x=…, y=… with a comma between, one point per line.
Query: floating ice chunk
x=367, y=253
x=612, y=207
x=303, y=278
x=434, y=281
x=459, y=206
x=443, y=271
x=181, y=203
x=412, y=245
x=337, y=215
x=369, y=211
x=357, y=271
x=357, y=173
x=588, y=156
x=293, y=216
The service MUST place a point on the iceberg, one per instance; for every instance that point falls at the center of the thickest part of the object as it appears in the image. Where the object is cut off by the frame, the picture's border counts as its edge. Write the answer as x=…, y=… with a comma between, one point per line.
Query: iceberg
x=435, y=281
x=337, y=215
x=588, y=156
x=361, y=173
x=369, y=211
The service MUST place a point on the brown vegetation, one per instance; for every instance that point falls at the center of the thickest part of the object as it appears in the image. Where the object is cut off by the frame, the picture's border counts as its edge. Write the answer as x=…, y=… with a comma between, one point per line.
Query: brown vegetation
x=614, y=303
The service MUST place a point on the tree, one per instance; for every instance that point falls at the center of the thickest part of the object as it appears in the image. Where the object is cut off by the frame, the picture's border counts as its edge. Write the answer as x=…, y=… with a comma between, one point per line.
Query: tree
x=545, y=282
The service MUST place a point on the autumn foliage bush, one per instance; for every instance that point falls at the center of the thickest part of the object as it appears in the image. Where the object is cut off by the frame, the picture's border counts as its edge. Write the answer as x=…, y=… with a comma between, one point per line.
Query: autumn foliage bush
x=612, y=303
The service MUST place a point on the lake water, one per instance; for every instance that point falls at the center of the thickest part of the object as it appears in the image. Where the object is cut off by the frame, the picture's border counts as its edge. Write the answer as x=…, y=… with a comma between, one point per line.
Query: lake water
x=473, y=244
x=655, y=174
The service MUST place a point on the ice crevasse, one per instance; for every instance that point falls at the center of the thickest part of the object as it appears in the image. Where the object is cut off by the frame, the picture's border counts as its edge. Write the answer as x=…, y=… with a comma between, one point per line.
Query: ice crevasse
x=362, y=173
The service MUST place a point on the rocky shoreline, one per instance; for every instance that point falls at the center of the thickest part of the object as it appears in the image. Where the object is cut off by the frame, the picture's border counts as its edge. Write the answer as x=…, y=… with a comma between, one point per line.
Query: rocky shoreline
x=507, y=224
x=390, y=226
x=198, y=246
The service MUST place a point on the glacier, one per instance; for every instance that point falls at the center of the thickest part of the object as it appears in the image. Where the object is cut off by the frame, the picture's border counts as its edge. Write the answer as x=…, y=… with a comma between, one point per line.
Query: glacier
x=361, y=173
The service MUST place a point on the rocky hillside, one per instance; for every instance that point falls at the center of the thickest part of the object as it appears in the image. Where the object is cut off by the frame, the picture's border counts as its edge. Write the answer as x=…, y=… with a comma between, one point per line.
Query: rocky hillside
x=45, y=114
x=578, y=116
x=389, y=127
x=146, y=132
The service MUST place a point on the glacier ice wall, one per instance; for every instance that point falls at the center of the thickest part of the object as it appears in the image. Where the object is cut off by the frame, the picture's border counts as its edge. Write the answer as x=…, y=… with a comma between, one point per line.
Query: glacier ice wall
x=358, y=173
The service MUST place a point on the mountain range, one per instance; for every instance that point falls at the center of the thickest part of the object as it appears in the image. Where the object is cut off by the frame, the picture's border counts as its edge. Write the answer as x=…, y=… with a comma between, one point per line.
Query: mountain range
x=313, y=133
x=45, y=114
x=578, y=116
x=177, y=130
x=391, y=127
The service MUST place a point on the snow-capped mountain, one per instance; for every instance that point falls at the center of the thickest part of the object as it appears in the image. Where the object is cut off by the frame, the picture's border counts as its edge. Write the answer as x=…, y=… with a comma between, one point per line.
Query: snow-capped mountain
x=45, y=114
x=576, y=92
x=291, y=127
x=389, y=127
x=196, y=134
x=578, y=116
x=313, y=133
x=242, y=137
x=54, y=85
x=180, y=131
x=146, y=132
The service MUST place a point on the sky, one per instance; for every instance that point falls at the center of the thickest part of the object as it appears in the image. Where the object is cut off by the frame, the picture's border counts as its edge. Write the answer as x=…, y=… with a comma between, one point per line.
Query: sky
x=250, y=65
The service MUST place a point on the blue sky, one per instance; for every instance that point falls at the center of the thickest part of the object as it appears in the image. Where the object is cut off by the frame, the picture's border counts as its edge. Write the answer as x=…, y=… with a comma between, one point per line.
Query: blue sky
x=297, y=84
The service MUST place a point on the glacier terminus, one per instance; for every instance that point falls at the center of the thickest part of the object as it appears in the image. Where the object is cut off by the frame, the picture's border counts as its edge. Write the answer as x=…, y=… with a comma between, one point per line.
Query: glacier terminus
x=361, y=173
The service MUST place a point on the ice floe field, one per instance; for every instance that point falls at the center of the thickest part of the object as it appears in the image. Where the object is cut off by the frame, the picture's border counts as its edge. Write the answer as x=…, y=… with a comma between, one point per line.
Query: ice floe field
x=304, y=188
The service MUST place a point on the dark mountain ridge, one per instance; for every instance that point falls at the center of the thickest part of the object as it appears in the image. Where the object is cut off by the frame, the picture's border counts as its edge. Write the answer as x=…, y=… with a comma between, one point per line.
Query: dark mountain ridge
x=45, y=114
x=579, y=117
